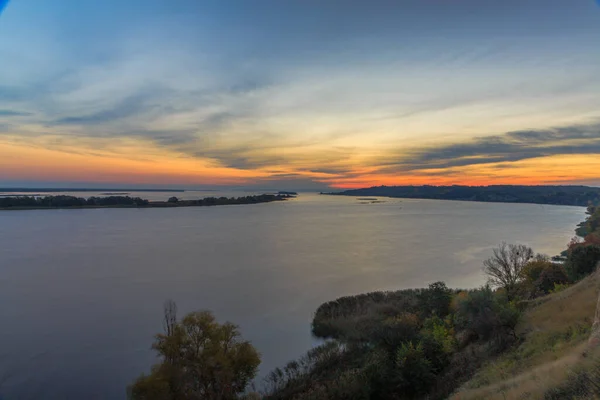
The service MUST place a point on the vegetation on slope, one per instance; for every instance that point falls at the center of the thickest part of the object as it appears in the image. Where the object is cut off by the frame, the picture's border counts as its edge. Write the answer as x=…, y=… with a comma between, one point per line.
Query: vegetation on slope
x=558, y=195
x=520, y=336
x=548, y=363
x=398, y=345
x=583, y=255
x=553, y=332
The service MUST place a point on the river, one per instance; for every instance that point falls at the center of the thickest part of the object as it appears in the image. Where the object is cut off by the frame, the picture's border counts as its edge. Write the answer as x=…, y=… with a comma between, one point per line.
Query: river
x=81, y=291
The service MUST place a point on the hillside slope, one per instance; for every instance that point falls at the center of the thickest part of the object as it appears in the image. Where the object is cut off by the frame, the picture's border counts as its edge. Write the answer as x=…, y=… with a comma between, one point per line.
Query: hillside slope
x=555, y=331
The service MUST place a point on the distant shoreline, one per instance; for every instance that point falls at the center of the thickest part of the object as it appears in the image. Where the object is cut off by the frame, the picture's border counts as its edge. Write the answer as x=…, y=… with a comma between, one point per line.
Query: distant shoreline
x=579, y=196
x=102, y=190
x=23, y=203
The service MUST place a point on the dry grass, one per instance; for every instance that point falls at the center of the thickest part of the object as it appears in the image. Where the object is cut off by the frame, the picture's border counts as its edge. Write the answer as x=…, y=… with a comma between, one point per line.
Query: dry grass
x=555, y=330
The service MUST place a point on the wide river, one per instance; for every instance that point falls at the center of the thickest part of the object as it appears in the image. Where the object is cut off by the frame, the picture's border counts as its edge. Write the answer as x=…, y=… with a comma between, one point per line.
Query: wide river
x=81, y=291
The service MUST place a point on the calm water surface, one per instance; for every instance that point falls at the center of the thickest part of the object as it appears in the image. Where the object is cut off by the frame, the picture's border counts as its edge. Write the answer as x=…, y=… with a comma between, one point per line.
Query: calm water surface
x=81, y=291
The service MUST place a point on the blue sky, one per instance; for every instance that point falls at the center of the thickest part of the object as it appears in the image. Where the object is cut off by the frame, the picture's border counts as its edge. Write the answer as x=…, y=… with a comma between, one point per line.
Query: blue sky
x=344, y=93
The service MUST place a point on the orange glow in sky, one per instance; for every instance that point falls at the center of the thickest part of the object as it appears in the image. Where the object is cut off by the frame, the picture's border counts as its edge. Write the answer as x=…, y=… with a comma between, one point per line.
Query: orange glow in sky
x=372, y=93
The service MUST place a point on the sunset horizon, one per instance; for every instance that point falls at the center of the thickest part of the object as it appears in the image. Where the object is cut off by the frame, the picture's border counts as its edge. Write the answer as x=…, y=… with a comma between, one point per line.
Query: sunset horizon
x=228, y=94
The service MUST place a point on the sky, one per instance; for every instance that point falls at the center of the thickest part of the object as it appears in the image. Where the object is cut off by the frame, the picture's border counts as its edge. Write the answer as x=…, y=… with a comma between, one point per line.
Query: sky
x=299, y=93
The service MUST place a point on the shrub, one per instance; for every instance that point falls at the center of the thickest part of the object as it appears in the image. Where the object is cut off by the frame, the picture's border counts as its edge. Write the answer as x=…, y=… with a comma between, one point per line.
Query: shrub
x=540, y=276
x=438, y=342
x=436, y=300
x=441, y=331
x=534, y=269
x=559, y=287
x=337, y=319
x=583, y=383
x=414, y=371
x=582, y=261
x=552, y=275
x=393, y=331
x=486, y=315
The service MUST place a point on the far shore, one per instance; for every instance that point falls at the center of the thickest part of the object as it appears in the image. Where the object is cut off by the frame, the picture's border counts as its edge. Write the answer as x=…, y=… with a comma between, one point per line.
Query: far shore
x=70, y=202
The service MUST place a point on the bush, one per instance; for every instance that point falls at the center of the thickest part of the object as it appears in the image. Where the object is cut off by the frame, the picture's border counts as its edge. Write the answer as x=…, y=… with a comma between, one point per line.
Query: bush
x=582, y=261
x=436, y=300
x=339, y=318
x=414, y=371
x=438, y=342
x=534, y=269
x=486, y=315
x=392, y=332
x=559, y=287
x=583, y=383
x=540, y=276
x=551, y=276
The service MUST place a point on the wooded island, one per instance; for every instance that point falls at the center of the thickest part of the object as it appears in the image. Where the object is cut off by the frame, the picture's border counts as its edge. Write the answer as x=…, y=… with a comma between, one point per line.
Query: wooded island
x=62, y=201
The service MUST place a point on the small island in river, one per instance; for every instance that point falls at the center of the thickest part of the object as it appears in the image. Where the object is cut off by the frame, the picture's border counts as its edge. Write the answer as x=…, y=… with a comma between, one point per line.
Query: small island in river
x=62, y=201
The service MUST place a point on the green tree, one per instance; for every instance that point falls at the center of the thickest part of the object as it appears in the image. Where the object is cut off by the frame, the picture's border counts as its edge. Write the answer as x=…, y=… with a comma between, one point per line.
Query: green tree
x=436, y=300
x=201, y=359
x=487, y=315
x=415, y=372
x=582, y=261
x=533, y=270
x=539, y=277
x=554, y=274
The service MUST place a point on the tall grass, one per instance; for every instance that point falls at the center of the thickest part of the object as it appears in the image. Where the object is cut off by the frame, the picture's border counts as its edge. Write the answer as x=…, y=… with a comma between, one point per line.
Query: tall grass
x=554, y=332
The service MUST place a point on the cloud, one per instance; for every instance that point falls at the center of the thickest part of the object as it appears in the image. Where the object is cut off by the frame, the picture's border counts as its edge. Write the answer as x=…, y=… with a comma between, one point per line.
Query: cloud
x=509, y=147
x=288, y=182
x=129, y=107
x=320, y=102
x=13, y=113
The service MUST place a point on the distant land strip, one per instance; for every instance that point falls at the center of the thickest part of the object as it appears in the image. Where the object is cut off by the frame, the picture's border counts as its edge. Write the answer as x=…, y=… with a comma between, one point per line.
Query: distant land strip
x=72, y=202
x=54, y=190
x=554, y=195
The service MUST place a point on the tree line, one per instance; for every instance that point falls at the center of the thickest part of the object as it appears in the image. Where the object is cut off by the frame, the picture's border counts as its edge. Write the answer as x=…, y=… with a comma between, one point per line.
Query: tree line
x=63, y=201
x=557, y=195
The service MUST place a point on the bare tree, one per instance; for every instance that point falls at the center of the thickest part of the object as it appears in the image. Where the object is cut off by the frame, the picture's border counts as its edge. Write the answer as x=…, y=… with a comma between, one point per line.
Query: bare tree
x=505, y=268
x=170, y=317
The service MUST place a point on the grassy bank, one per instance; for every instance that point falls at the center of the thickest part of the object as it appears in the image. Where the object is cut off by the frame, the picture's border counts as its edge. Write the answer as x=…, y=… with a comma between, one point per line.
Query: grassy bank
x=554, y=360
x=554, y=331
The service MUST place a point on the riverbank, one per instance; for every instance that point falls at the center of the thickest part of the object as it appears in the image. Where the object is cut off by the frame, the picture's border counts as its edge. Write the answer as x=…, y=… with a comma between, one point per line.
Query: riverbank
x=558, y=356
x=478, y=343
x=580, y=196
x=71, y=202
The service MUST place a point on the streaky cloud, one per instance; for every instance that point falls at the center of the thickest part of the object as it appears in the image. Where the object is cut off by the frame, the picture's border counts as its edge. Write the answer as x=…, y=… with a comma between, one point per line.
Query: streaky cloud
x=13, y=113
x=509, y=147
